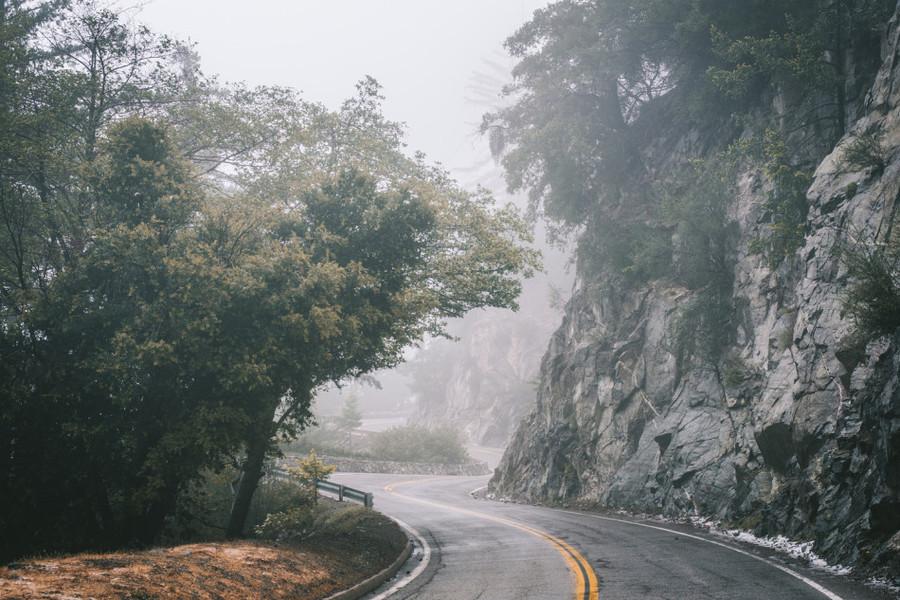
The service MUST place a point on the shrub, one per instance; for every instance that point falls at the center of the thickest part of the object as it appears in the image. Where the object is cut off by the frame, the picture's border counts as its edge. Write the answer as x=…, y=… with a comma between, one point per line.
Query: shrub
x=203, y=508
x=786, y=205
x=413, y=443
x=637, y=252
x=865, y=152
x=701, y=329
x=309, y=470
x=291, y=525
x=696, y=206
x=344, y=521
x=872, y=300
x=735, y=372
x=324, y=438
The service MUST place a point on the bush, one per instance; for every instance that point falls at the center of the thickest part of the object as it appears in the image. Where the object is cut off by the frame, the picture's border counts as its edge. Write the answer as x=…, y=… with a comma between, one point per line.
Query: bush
x=202, y=509
x=873, y=298
x=291, y=525
x=702, y=328
x=412, y=443
x=637, y=251
x=786, y=205
x=735, y=372
x=865, y=152
x=324, y=439
x=308, y=471
x=345, y=521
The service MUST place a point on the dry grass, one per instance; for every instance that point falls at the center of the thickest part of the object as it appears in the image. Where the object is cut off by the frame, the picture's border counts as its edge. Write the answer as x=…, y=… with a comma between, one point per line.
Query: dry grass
x=227, y=571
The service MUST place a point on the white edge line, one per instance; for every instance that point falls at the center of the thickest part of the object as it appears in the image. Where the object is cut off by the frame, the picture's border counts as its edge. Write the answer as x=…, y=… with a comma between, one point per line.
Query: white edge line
x=426, y=557
x=825, y=592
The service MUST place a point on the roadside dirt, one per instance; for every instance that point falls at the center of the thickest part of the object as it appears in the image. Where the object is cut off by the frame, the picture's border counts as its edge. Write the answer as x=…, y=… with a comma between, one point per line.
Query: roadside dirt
x=220, y=570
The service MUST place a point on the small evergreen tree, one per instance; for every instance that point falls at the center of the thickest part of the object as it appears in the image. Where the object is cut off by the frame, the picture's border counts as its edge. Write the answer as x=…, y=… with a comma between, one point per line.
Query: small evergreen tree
x=350, y=418
x=310, y=470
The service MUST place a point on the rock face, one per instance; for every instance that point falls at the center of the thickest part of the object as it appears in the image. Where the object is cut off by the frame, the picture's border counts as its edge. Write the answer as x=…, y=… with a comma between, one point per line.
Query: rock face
x=801, y=437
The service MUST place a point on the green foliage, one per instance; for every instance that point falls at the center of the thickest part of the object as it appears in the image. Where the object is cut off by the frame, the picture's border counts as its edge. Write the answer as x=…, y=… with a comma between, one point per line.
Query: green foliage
x=345, y=521
x=594, y=80
x=183, y=263
x=204, y=506
x=413, y=443
x=735, y=372
x=786, y=205
x=290, y=525
x=328, y=521
x=324, y=438
x=637, y=252
x=702, y=328
x=309, y=470
x=787, y=56
x=865, y=152
x=872, y=299
x=695, y=206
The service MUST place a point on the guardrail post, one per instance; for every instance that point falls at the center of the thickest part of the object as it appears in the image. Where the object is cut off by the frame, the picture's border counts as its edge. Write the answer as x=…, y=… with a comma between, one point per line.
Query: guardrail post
x=369, y=500
x=340, y=493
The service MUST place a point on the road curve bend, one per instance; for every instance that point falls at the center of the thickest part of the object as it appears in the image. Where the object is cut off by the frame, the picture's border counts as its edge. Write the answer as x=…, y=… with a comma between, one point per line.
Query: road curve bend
x=483, y=550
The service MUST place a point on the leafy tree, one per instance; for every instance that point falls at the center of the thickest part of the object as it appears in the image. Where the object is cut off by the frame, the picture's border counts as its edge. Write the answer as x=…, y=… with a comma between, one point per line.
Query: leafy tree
x=156, y=322
x=385, y=269
x=133, y=319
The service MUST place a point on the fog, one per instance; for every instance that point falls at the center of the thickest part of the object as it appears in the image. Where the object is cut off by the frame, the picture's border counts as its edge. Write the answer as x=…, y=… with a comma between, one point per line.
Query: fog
x=424, y=53
x=442, y=66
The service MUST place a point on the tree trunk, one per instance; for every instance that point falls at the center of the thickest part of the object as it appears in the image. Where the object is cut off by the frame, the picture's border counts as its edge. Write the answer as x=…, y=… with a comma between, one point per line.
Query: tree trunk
x=257, y=445
x=252, y=472
x=154, y=521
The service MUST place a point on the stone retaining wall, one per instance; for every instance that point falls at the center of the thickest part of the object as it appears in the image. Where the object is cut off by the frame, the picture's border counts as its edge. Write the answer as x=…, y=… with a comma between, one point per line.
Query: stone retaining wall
x=359, y=465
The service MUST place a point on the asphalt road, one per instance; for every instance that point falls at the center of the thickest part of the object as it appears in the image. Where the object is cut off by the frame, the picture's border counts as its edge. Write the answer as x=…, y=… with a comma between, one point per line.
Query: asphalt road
x=484, y=550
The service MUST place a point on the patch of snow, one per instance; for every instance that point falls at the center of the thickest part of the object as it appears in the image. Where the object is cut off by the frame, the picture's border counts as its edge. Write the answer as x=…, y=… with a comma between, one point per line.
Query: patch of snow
x=883, y=584
x=799, y=550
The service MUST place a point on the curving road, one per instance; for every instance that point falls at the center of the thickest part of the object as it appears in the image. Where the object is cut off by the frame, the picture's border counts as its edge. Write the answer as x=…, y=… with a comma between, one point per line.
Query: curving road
x=478, y=549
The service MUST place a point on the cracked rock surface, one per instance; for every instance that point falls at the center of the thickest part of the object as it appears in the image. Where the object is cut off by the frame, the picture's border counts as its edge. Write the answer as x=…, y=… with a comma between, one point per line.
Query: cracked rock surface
x=805, y=443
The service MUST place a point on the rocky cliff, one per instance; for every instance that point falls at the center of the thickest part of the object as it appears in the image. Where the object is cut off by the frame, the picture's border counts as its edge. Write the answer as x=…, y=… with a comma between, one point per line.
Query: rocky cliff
x=798, y=434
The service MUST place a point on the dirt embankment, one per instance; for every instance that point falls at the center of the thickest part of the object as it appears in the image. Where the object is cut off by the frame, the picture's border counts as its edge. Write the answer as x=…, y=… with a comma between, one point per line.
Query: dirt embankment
x=311, y=570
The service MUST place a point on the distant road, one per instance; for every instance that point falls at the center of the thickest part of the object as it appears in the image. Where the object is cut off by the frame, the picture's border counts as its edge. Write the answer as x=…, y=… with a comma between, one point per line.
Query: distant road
x=376, y=424
x=483, y=550
x=491, y=456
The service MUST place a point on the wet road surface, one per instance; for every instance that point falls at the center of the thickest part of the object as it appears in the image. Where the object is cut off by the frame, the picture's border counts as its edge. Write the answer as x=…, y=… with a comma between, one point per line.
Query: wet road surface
x=487, y=550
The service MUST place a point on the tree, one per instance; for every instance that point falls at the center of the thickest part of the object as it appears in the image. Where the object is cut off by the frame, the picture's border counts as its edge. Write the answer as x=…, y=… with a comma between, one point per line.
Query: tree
x=174, y=288
x=131, y=319
x=386, y=267
x=350, y=418
x=311, y=470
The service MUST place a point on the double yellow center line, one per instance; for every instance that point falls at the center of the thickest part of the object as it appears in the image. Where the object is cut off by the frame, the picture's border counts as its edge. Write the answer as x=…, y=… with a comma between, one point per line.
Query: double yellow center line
x=586, y=586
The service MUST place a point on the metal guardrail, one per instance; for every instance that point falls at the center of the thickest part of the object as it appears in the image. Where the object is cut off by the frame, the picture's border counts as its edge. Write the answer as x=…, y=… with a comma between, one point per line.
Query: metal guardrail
x=343, y=492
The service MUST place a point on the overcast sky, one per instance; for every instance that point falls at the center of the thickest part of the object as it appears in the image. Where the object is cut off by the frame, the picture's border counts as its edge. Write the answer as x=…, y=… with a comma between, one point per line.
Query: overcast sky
x=424, y=52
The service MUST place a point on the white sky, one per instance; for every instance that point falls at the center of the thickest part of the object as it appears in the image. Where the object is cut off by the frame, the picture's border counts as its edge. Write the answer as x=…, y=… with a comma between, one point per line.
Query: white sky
x=424, y=53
